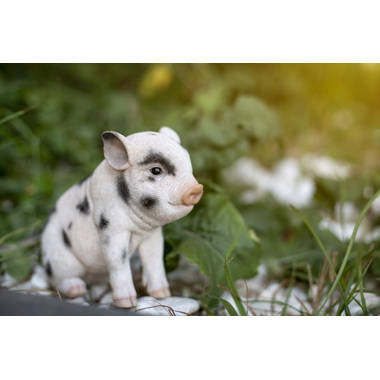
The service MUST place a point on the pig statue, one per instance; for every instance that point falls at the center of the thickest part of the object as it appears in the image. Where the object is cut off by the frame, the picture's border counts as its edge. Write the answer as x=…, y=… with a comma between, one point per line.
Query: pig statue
x=145, y=182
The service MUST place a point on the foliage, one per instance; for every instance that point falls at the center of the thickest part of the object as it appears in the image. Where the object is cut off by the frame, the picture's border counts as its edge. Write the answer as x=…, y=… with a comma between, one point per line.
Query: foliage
x=212, y=236
x=52, y=117
x=54, y=141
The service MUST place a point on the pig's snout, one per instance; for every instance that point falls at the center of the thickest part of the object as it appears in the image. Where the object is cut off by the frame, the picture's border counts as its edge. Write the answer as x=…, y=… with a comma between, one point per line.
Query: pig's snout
x=193, y=195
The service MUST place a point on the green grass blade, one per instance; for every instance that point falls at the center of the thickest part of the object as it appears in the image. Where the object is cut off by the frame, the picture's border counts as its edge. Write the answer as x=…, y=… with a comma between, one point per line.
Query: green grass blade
x=351, y=295
x=16, y=114
x=320, y=244
x=230, y=309
x=348, y=251
x=19, y=231
x=315, y=235
x=346, y=297
x=361, y=287
x=235, y=296
x=281, y=303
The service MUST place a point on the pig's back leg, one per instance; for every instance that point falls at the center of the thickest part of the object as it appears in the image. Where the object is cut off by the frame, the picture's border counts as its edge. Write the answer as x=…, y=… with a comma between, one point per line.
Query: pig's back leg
x=63, y=268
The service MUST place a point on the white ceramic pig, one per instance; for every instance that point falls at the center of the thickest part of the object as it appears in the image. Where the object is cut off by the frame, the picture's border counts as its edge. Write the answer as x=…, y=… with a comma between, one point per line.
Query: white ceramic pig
x=145, y=182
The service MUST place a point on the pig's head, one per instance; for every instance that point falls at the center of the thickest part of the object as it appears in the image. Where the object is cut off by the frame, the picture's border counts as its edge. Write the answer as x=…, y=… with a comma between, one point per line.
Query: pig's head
x=155, y=176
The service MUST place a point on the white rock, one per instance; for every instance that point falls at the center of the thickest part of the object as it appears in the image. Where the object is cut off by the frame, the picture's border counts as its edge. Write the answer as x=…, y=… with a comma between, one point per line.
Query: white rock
x=267, y=297
x=273, y=292
x=151, y=306
x=313, y=291
x=247, y=172
x=376, y=206
x=373, y=235
x=344, y=228
x=347, y=209
x=251, y=196
x=253, y=285
x=289, y=169
x=343, y=231
x=372, y=300
x=265, y=303
x=286, y=183
x=325, y=167
x=298, y=193
x=298, y=300
x=7, y=280
x=38, y=281
x=289, y=185
x=168, y=306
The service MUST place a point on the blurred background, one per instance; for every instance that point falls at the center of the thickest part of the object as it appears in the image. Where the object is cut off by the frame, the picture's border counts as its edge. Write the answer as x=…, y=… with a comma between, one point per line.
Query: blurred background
x=269, y=135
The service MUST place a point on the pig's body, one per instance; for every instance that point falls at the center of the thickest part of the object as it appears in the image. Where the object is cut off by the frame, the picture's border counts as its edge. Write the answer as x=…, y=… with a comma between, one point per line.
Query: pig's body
x=145, y=182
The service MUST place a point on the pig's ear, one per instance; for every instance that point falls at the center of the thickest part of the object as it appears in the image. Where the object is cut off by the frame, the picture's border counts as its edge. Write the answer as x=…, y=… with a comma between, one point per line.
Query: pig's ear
x=171, y=133
x=115, y=151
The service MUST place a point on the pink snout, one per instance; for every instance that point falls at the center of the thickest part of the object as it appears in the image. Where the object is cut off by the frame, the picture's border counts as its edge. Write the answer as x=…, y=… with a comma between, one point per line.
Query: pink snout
x=193, y=195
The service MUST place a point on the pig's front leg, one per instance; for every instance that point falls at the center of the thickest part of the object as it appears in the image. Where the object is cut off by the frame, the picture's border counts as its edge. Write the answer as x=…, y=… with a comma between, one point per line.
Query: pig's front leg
x=117, y=252
x=151, y=251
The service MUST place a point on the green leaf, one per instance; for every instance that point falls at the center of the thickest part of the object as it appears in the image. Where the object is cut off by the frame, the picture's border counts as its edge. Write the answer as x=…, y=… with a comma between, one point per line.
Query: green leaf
x=17, y=266
x=230, y=309
x=254, y=117
x=205, y=238
x=212, y=99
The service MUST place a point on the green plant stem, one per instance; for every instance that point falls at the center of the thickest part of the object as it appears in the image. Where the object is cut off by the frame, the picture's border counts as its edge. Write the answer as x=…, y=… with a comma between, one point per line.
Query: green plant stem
x=16, y=114
x=316, y=237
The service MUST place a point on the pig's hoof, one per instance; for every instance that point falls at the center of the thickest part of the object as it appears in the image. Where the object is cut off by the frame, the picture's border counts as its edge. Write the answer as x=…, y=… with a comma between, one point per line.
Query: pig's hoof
x=125, y=302
x=73, y=287
x=160, y=293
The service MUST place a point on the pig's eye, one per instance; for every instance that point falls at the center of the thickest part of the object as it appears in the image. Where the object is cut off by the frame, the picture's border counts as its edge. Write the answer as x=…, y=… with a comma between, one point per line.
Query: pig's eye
x=156, y=170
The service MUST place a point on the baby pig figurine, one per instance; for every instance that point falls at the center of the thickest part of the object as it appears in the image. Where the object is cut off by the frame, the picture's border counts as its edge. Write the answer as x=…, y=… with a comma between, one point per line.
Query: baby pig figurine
x=145, y=182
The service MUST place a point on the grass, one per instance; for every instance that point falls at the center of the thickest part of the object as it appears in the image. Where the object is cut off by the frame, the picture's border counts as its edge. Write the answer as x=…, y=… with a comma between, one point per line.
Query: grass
x=347, y=254
x=349, y=279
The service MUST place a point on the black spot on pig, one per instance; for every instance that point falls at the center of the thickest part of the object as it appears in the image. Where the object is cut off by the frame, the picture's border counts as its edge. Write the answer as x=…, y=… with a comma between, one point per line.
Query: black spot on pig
x=151, y=179
x=122, y=188
x=103, y=223
x=66, y=239
x=148, y=202
x=154, y=157
x=48, y=269
x=70, y=225
x=84, y=206
x=83, y=180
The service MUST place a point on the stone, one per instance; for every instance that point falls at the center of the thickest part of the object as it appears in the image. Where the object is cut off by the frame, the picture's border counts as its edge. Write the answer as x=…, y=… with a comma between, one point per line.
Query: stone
x=178, y=306
x=7, y=280
x=166, y=306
